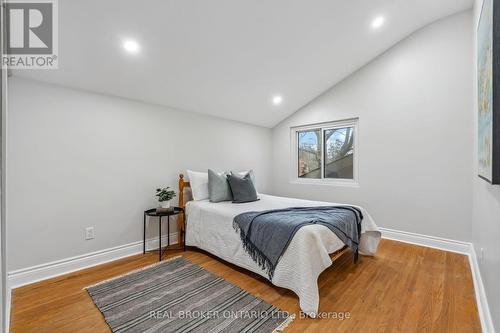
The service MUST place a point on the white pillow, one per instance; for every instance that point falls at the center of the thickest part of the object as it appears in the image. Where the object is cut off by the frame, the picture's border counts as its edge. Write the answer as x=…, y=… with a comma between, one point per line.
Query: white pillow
x=199, y=184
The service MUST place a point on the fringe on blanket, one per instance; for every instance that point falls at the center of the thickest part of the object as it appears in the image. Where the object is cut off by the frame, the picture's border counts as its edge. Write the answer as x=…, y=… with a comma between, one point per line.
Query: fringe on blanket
x=256, y=255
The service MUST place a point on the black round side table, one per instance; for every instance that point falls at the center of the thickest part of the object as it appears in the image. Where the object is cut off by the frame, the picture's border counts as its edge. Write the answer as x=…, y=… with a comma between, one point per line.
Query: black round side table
x=153, y=213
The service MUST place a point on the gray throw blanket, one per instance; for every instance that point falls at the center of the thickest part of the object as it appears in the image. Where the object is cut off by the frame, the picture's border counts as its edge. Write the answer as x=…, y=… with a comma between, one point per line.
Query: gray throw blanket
x=266, y=234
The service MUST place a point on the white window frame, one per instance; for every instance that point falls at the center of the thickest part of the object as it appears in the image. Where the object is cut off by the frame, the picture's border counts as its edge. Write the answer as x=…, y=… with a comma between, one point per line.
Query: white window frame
x=294, y=153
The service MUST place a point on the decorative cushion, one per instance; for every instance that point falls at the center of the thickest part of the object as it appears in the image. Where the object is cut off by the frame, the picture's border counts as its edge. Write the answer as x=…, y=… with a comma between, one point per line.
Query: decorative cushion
x=218, y=187
x=252, y=177
x=242, y=188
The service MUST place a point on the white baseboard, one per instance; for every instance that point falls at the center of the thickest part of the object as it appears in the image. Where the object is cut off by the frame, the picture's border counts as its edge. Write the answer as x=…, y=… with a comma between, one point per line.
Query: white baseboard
x=481, y=299
x=451, y=246
x=427, y=241
x=8, y=303
x=152, y=243
x=45, y=271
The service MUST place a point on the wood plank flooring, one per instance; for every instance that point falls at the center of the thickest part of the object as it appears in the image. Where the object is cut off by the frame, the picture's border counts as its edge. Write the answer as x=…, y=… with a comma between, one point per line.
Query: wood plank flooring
x=404, y=288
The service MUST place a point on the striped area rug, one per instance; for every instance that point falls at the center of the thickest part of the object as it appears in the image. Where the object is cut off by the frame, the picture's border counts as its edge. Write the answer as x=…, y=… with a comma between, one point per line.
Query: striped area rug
x=176, y=295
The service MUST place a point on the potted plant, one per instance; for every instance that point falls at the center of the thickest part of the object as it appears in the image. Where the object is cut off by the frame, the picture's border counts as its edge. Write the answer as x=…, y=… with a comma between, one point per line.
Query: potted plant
x=165, y=196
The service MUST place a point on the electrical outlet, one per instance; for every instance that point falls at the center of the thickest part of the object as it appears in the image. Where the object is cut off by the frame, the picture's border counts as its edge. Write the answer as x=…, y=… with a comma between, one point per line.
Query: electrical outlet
x=89, y=233
x=481, y=255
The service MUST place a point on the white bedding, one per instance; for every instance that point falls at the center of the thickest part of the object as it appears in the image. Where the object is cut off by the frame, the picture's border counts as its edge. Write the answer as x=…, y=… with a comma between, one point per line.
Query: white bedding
x=210, y=227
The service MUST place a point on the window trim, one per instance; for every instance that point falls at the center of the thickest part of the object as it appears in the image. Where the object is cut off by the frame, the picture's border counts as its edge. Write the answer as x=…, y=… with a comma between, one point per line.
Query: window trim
x=294, y=154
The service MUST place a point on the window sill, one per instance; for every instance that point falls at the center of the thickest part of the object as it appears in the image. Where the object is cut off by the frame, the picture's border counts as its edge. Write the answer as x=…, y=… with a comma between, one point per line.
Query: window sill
x=322, y=182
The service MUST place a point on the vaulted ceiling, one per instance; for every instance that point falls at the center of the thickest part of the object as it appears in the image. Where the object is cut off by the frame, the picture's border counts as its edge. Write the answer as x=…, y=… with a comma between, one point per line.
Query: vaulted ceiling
x=228, y=58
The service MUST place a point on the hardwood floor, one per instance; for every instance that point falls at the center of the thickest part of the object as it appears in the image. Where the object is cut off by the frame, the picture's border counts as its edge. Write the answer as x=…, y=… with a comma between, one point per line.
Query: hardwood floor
x=404, y=288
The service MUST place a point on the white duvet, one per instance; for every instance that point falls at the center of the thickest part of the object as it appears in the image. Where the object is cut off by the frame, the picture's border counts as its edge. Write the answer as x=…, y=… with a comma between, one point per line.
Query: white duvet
x=210, y=227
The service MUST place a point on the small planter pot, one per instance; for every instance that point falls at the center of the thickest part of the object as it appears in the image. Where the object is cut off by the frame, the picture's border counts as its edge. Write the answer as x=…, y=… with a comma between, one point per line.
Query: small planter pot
x=165, y=204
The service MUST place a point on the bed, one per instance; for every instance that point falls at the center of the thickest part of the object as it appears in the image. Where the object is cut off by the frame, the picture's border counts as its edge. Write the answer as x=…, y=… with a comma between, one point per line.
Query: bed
x=313, y=249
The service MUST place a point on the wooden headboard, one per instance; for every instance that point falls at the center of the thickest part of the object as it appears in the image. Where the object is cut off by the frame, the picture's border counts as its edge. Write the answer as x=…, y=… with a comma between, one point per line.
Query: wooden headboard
x=182, y=185
x=182, y=202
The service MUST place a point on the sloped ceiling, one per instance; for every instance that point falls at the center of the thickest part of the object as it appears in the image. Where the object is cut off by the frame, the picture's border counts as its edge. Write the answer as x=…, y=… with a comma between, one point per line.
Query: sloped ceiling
x=228, y=58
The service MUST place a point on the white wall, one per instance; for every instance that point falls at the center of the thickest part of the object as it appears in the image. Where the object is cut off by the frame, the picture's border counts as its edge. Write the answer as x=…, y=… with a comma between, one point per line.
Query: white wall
x=486, y=212
x=4, y=290
x=3, y=256
x=78, y=159
x=415, y=136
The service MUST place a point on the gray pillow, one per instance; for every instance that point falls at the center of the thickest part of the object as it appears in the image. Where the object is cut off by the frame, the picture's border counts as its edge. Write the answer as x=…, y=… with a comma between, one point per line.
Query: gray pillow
x=252, y=176
x=218, y=187
x=242, y=188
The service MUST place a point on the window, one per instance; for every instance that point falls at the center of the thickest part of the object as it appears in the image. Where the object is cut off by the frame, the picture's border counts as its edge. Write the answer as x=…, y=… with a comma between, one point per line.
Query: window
x=309, y=153
x=325, y=153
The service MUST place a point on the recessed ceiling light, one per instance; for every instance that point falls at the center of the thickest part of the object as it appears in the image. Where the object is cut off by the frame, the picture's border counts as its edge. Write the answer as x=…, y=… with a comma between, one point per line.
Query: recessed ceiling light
x=131, y=46
x=277, y=100
x=378, y=22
